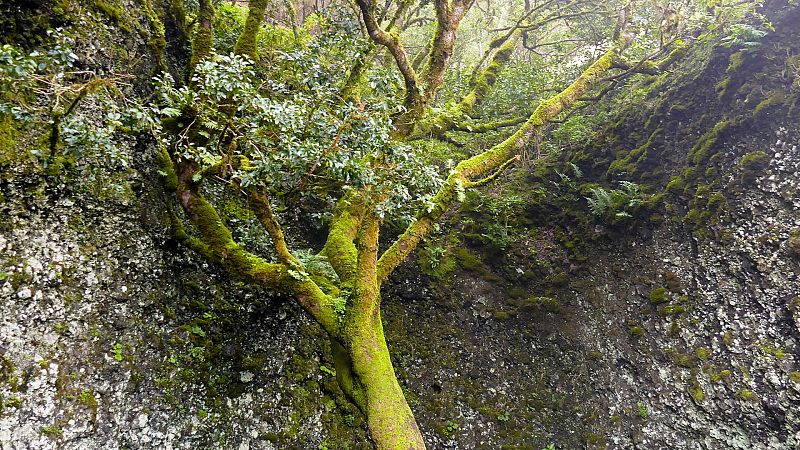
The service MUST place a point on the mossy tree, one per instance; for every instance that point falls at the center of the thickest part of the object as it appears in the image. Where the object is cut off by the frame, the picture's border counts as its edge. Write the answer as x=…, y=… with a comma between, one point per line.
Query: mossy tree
x=216, y=145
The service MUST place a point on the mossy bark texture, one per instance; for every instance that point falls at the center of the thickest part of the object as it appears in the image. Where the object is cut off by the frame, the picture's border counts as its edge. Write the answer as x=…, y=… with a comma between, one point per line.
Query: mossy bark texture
x=246, y=44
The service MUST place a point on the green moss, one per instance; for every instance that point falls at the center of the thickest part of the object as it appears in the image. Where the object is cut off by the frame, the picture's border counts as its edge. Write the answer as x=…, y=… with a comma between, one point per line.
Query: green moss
x=697, y=393
x=203, y=42
x=246, y=45
x=753, y=164
x=727, y=338
x=719, y=376
x=703, y=353
x=676, y=185
x=468, y=261
x=717, y=202
x=502, y=315
x=735, y=61
x=10, y=151
x=87, y=398
x=52, y=431
x=635, y=331
x=594, y=440
x=702, y=149
x=156, y=37
x=795, y=377
x=775, y=97
x=672, y=310
x=684, y=359
x=773, y=350
x=8, y=374
x=543, y=303
x=558, y=279
x=116, y=13
x=631, y=161
x=747, y=395
x=659, y=295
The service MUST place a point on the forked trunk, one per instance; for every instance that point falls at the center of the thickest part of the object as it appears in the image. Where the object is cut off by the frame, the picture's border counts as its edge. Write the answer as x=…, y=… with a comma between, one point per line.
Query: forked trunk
x=365, y=373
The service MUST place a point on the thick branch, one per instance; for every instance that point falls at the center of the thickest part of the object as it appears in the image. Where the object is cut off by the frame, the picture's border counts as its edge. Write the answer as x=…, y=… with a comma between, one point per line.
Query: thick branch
x=340, y=248
x=366, y=298
x=203, y=42
x=489, y=161
x=246, y=44
x=448, y=17
x=392, y=42
x=223, y=250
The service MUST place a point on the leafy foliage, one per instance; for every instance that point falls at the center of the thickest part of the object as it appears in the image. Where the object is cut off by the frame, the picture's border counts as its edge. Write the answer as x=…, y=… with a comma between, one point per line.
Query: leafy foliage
x=744, y=36
x=302, y=143
x=83, y=111
x=616, y=204
x=316, y=264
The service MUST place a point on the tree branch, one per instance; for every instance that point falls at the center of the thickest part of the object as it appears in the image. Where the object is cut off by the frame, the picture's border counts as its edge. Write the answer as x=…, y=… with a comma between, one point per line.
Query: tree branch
x=489, y=126
x=203, y=42
x=339, y=247
x=488, y=162
x=392, y=42
x=259, y=203
x=438, y=125
x=241, y=264
x=495, y=175
x=448, y=17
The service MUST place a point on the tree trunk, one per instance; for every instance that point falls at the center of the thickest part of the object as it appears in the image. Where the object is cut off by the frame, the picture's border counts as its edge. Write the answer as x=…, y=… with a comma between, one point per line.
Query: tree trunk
x=365, y=373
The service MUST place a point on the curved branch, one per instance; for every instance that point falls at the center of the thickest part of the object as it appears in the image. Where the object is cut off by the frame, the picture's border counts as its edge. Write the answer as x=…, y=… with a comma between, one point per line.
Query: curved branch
x=392, y=43
x=223, y=250
x=259, y=203
x=490, y=161
x=340, y=248
x=448, y=17
x=495, y=175
x=480, y=89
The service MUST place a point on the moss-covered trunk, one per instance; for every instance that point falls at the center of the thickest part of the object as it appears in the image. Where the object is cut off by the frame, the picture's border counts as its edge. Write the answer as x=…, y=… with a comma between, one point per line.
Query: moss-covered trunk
x=364, y=371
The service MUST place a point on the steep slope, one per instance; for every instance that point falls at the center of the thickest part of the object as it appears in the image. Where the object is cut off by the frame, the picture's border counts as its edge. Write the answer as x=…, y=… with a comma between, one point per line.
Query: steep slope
x=675, y=328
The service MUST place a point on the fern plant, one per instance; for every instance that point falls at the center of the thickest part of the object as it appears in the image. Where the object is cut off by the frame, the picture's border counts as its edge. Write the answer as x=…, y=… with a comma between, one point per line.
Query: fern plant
x=615, y=205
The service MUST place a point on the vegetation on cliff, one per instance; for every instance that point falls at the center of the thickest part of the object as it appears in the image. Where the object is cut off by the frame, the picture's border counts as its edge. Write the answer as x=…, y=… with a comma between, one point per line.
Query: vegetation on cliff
x=265, y=112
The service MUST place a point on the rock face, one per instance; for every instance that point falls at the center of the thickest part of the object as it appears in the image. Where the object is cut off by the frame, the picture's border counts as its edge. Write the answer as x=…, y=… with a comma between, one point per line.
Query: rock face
x=677, y=328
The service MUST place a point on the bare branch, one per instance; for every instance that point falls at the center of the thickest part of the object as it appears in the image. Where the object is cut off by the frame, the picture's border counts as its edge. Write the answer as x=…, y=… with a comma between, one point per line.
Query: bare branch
x=392, y=43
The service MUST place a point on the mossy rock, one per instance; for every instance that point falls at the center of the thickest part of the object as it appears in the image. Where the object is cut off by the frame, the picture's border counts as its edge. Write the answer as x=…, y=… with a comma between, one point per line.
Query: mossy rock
x=793, y=243
x=747, y=395
x=753, y=164
x=659, y=295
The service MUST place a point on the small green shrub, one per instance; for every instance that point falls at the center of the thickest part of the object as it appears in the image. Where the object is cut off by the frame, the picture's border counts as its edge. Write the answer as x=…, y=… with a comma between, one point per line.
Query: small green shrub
x=615, y=205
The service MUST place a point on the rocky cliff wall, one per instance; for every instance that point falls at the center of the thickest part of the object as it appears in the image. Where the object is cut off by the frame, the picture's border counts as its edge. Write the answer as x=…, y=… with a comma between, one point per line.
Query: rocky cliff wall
x=675, y=328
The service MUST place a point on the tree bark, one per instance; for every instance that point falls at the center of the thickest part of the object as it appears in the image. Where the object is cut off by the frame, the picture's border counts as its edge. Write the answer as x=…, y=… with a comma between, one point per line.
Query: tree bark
x=365, y=373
